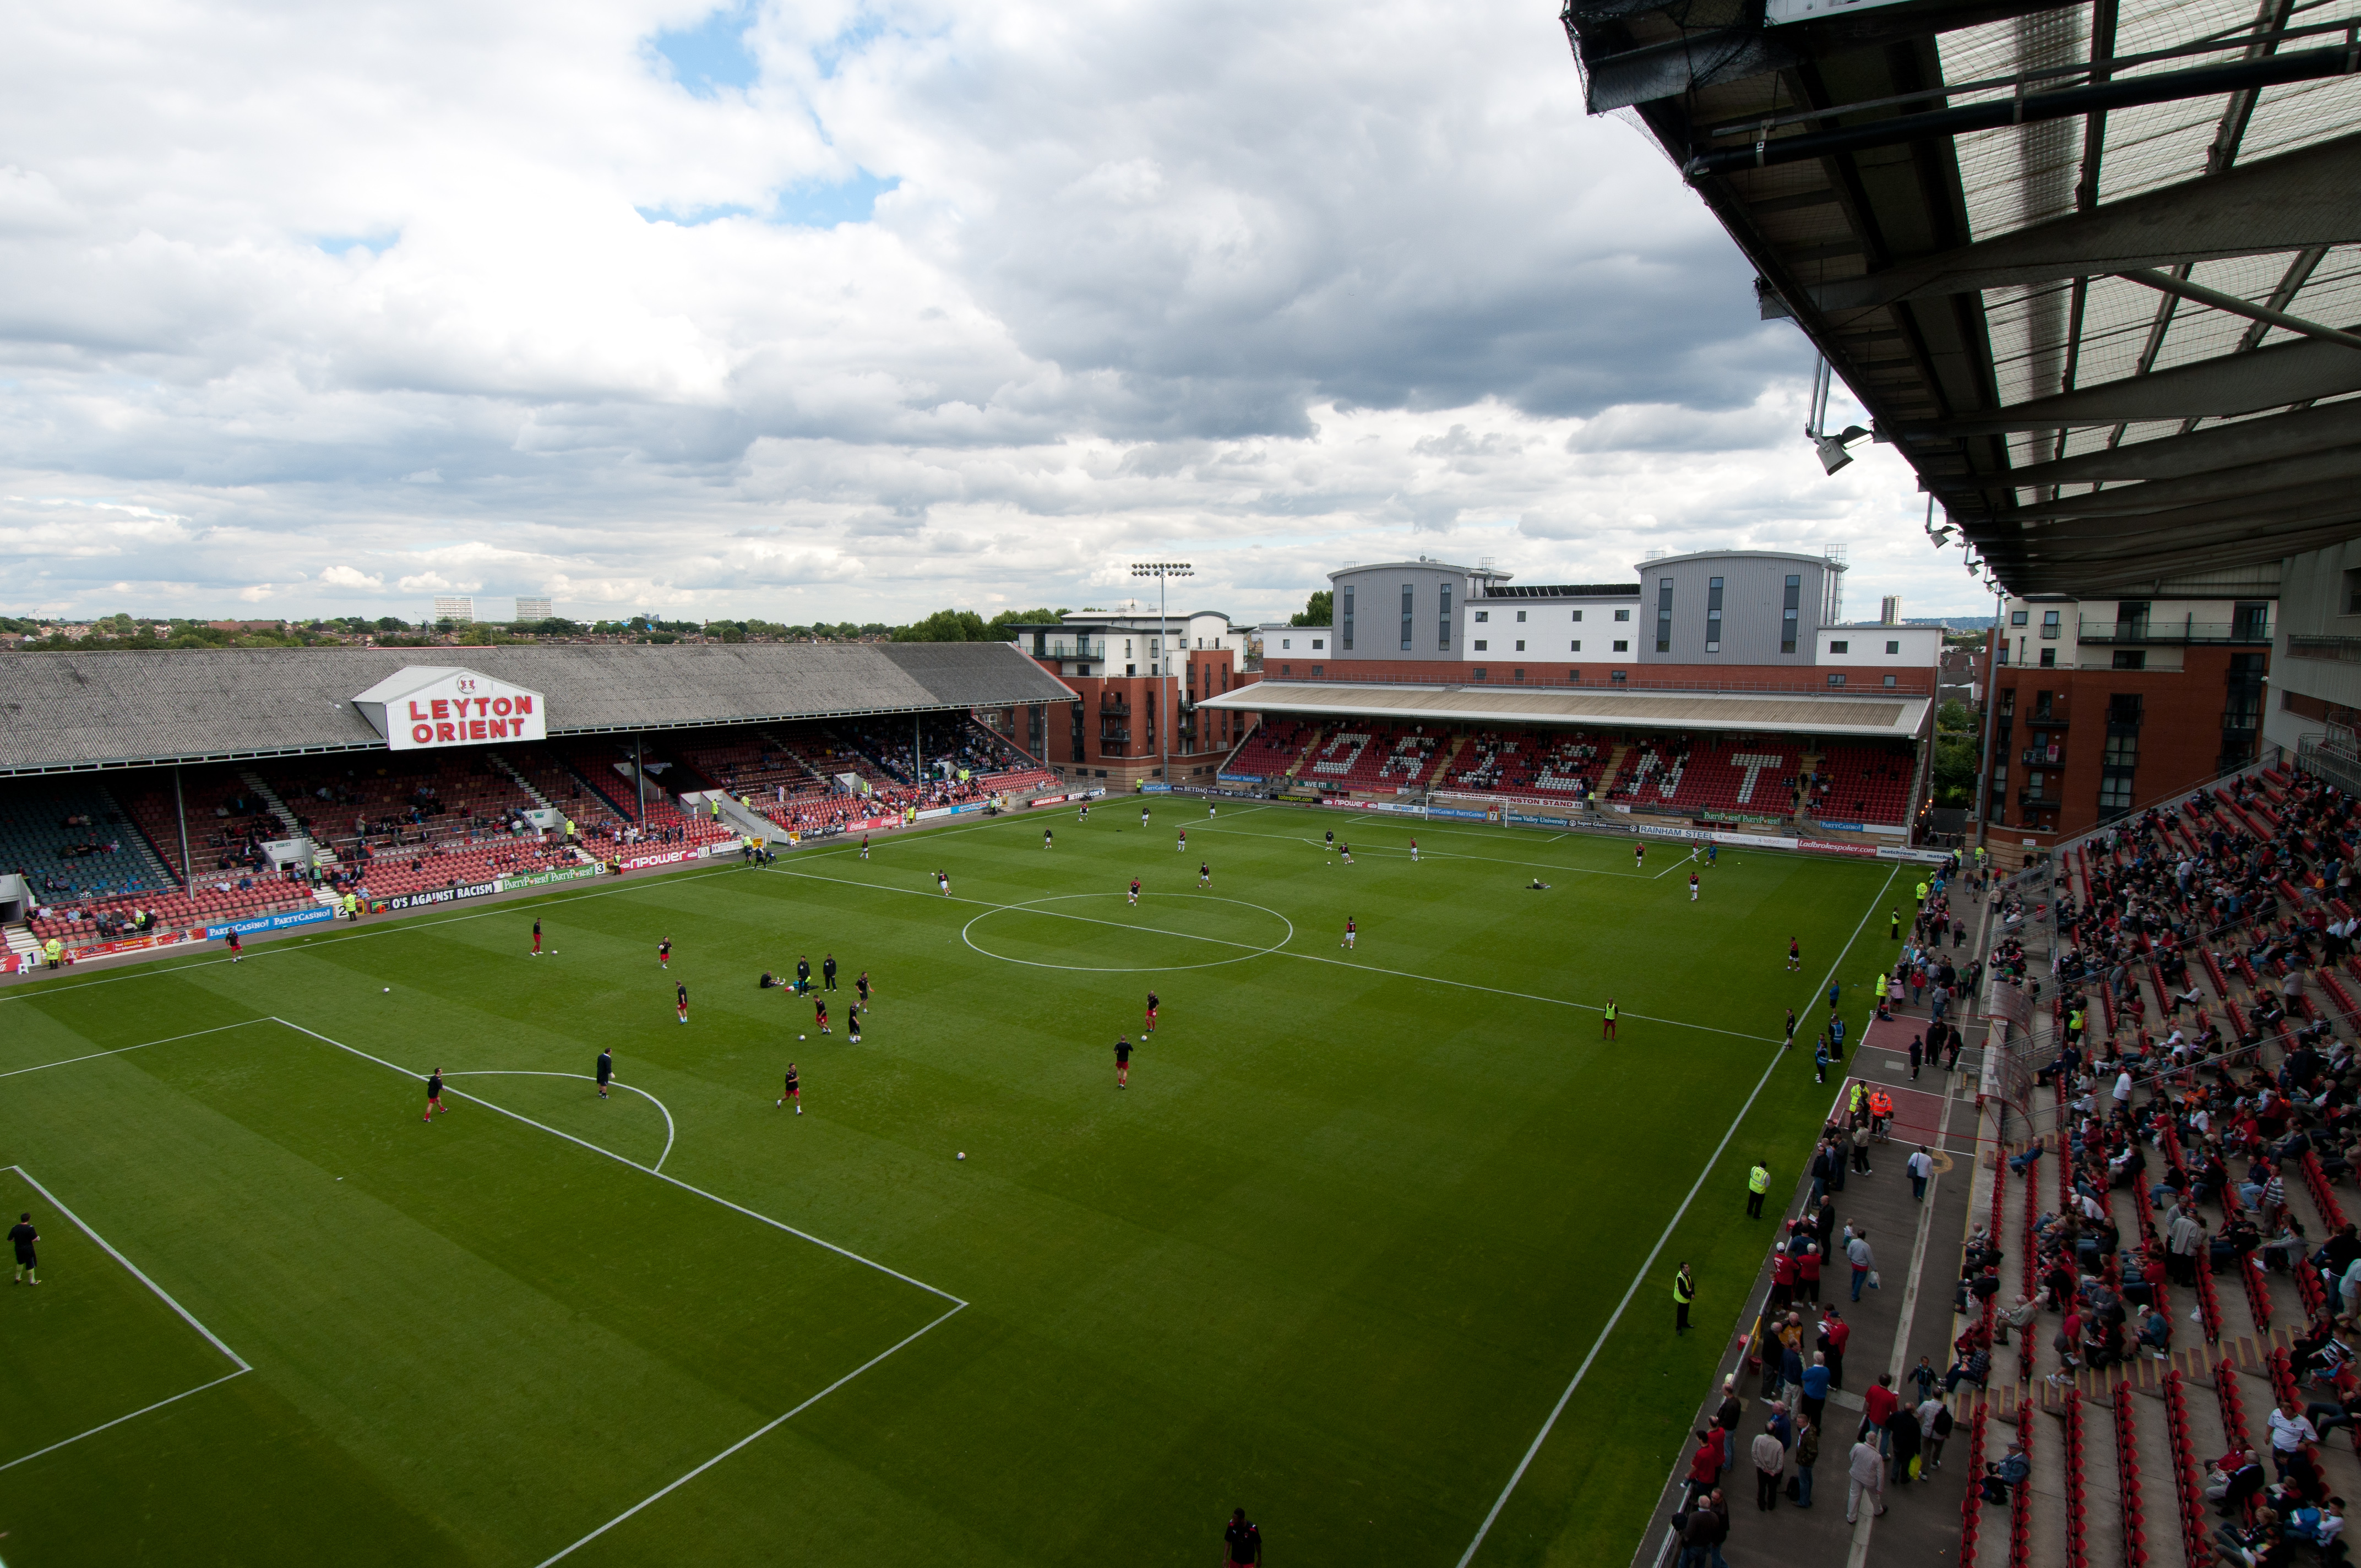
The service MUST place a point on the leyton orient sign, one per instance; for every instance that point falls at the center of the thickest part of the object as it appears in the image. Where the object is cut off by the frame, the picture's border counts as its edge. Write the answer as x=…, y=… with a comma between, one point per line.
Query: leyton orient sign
x=427, y=706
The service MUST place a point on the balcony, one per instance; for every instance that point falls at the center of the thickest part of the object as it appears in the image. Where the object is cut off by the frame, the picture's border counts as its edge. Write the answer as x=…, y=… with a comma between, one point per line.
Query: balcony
x=2033, y=800
x=2253, y=632
x=2054, y=719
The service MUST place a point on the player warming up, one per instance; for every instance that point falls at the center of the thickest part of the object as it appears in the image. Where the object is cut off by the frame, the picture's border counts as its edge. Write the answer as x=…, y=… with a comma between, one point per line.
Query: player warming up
x=434, y=1096
x=21, y=1236
x=1414, y=852
x=861, y=985
x=680, y=1000
x=1181, y=848
x=1134, y=890
x=853, y=1022
x=1204, y=873
x=606, y=1071
x=1693, y=887
x=819, y=1014
x=865, y=846
x=1639, y=857
x=1345, y=854
x=1606, y=1021
x=794, y=1090
x=236, y=949
x=1049, y=840
x=536, y=938
x=1143, y=816
x=1351, y=931
x=1153, y=1002
x=943, y=881
x=1122, y=1061
x=663, y=953
x=1795, y=955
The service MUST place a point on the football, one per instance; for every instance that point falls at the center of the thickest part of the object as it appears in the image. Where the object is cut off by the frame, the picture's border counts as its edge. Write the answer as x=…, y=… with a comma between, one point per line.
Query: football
x=963, y=1154
x=799, y=1037
x=389, y=991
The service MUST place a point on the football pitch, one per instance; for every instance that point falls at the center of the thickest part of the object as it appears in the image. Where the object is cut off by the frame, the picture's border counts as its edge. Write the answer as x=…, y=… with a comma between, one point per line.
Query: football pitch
x=1336, y=1254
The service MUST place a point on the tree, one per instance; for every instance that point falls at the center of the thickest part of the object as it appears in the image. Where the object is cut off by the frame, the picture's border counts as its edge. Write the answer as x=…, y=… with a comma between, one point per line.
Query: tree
x=1318, y=610
x=946, y=626
x=1958, y=748
x=1000, y=624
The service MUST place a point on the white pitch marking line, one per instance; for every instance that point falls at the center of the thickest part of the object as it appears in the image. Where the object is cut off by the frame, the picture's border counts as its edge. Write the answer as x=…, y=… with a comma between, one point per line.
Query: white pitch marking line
x=1251, y=950
x=161, y=1294
x=758, y=1433
x=118, y=1051
x=528, y=1073
x=635, y=1165
x=1650, y=1262
x=133, y=1269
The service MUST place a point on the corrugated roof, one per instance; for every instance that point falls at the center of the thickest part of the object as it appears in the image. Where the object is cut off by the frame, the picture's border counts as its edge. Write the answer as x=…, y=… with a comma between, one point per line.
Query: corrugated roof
x=71, y=711
x=1880, y=718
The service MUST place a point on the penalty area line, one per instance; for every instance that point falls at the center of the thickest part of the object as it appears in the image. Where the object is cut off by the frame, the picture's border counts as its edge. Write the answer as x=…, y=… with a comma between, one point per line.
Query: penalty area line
x=759, y=1432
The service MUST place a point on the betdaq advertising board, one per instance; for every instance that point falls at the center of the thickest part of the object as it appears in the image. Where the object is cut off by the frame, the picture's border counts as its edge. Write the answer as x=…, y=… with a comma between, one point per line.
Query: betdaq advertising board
x=425, y=706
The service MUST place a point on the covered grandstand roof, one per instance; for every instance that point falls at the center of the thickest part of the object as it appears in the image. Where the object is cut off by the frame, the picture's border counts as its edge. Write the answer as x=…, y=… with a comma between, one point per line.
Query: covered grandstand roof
x=2095, y=268
x=1862, y=718
x=64, y=711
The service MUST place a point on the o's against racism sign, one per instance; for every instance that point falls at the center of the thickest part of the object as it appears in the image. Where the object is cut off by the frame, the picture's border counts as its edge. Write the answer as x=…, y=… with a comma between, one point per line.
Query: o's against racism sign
x=428, y=706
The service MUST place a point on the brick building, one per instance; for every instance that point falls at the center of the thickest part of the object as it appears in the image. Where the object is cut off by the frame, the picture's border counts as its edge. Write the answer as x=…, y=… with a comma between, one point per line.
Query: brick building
x=2103, y=706
x=1138, y=679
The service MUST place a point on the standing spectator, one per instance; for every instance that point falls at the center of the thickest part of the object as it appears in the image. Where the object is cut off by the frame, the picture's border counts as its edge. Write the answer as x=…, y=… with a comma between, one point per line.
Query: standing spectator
x=1758, y=1183
x=1815, y=1385
x=1857, y=1250
x=1834, y=1332
x=1934, y=1427
x=1922, y=1169
x=2290, y=1432
x=1704, y=1465
x=1901, y=1433
x=1866, y=1469
x=1684, y=1293
x=1708, y=1526
x=1876, y=1406
x=1808, y=1455
x=1770, y=1457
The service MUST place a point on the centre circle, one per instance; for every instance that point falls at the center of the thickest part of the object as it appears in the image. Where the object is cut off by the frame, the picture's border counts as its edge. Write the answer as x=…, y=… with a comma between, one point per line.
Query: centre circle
x=1248, y=930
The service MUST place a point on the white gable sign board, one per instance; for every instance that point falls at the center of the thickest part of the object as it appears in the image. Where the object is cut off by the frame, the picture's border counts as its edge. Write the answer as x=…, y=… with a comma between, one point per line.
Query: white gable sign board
x=429, y=706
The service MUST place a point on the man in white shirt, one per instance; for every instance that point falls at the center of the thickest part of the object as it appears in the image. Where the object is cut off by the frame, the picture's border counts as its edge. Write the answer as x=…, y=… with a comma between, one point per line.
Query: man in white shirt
x=2289, y=1431
x=1921, y=1167
x=2123, y=1088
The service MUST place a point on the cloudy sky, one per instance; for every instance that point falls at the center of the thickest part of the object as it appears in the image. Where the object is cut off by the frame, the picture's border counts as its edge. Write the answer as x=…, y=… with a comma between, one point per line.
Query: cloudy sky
x=843, y=311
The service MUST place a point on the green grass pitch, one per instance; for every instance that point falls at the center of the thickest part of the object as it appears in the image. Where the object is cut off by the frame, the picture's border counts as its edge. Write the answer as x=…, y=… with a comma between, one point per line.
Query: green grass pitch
x=1332, y=1256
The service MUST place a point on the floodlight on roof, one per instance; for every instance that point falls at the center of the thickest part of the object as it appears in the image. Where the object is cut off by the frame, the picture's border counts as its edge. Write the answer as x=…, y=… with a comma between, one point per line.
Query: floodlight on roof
x=1831, y=449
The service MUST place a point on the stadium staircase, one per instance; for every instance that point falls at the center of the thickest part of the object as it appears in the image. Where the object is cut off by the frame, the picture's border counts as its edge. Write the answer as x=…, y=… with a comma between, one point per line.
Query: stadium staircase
x=502, y=765
x=321, y=855
x=21, y=941
x=2122, y=1453
x=1615, y=759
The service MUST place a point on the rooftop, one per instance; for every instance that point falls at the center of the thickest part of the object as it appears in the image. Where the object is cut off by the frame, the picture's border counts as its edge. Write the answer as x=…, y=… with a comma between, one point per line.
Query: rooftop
x=1883, y=717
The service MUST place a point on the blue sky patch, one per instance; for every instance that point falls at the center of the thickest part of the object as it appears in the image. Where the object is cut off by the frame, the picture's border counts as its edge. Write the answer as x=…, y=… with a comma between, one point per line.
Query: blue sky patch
x=852, y=201
x=713, y=54
x=695, y=217
x=831, y=55
x=338, y=243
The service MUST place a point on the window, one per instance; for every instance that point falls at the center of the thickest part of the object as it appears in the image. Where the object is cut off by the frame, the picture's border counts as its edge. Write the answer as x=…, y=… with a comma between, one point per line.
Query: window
x=1406, y=614
x=2131, y=659
x=1479, y=672
x=1521, y=645
x=1131, y=669
x=1889, y=680
x=1616, y=676
x=1347, y=643
x=1791, y=606
x=1517, y=674
x=1482, y=646
x=2008, y=702
x=2251, y=622
x=1841, y=647
x=1621, y=646
x=1127, y=647
x=1577, y=645
x=1577, y=615
x=2049, y=658
x=1892, y=646
x=1443, y=622
x=1713, y=615
x=1315, y=672
x=1482, y=616
x=2353, y=592
x=1837, y=680
x=1520, y=614
x=1622, y=615
x=2049, y=625
x=1663, y=615
x=1318, y=644
x=1286, y=642
x=2016, y=618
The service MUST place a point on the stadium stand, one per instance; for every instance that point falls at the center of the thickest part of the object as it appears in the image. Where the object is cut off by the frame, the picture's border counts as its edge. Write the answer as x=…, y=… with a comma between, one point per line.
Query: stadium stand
x=1270, y=749
x=1862, y=784
x=71, y=839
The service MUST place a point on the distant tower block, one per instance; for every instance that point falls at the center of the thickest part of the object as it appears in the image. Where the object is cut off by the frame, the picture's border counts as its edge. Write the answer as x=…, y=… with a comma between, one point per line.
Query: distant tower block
x=460, y=607
x=1889, y=610
x=533, y=610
